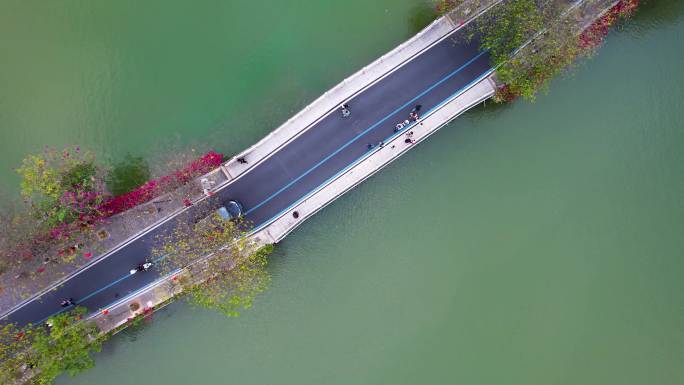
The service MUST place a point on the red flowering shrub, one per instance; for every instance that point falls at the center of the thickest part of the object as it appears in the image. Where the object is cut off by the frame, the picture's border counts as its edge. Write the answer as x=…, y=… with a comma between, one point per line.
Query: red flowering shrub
x=62, y=190
x=156, y=187
x=504, y=94
x=593, y=36
x=444, y=6
x=65, y=201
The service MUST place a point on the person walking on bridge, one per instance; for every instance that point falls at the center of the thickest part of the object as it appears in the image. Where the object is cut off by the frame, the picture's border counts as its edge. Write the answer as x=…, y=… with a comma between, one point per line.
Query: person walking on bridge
x=413, y=116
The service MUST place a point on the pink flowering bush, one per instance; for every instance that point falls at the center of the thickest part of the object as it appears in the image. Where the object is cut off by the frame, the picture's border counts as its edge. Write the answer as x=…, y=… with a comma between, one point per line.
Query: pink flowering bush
x=61, y=186
x=62, y=190
x=594, y=35
x=66, y=199
x=156, y=187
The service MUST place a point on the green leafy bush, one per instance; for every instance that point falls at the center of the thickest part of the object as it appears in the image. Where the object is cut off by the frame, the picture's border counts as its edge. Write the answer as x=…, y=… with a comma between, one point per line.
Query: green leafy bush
x=64, y=345
x=507, y=26
x=232, y=290
x=127, y=174
x=231, y=279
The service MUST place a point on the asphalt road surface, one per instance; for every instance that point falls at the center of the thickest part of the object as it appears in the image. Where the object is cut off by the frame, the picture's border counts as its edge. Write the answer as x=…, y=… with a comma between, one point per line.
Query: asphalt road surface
x=268, y=189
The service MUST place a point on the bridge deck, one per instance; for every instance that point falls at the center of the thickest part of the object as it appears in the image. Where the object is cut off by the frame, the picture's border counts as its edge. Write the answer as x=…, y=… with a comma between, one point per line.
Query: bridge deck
x=294, y=170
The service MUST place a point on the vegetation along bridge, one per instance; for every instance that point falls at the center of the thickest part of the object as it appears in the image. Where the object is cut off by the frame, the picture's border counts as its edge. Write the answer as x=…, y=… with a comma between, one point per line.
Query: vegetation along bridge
x=306, y=155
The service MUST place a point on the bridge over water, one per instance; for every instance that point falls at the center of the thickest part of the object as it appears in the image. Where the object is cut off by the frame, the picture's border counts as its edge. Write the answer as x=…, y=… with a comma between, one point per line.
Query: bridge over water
x=313, y=158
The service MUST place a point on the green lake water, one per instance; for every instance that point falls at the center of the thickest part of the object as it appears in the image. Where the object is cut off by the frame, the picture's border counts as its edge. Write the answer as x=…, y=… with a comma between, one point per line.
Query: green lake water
x=535, y=243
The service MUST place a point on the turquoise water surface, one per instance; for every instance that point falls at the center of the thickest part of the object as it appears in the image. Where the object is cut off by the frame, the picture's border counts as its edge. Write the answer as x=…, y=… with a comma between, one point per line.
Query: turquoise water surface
x=535, y=243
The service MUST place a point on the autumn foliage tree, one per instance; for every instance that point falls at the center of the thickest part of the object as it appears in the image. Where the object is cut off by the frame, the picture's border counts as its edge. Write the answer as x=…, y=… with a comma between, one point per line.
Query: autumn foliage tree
x=531, y=41
x=233, y=289
x=61, y=187
x=191, y=239
x=62, y=190
x=226, y=273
